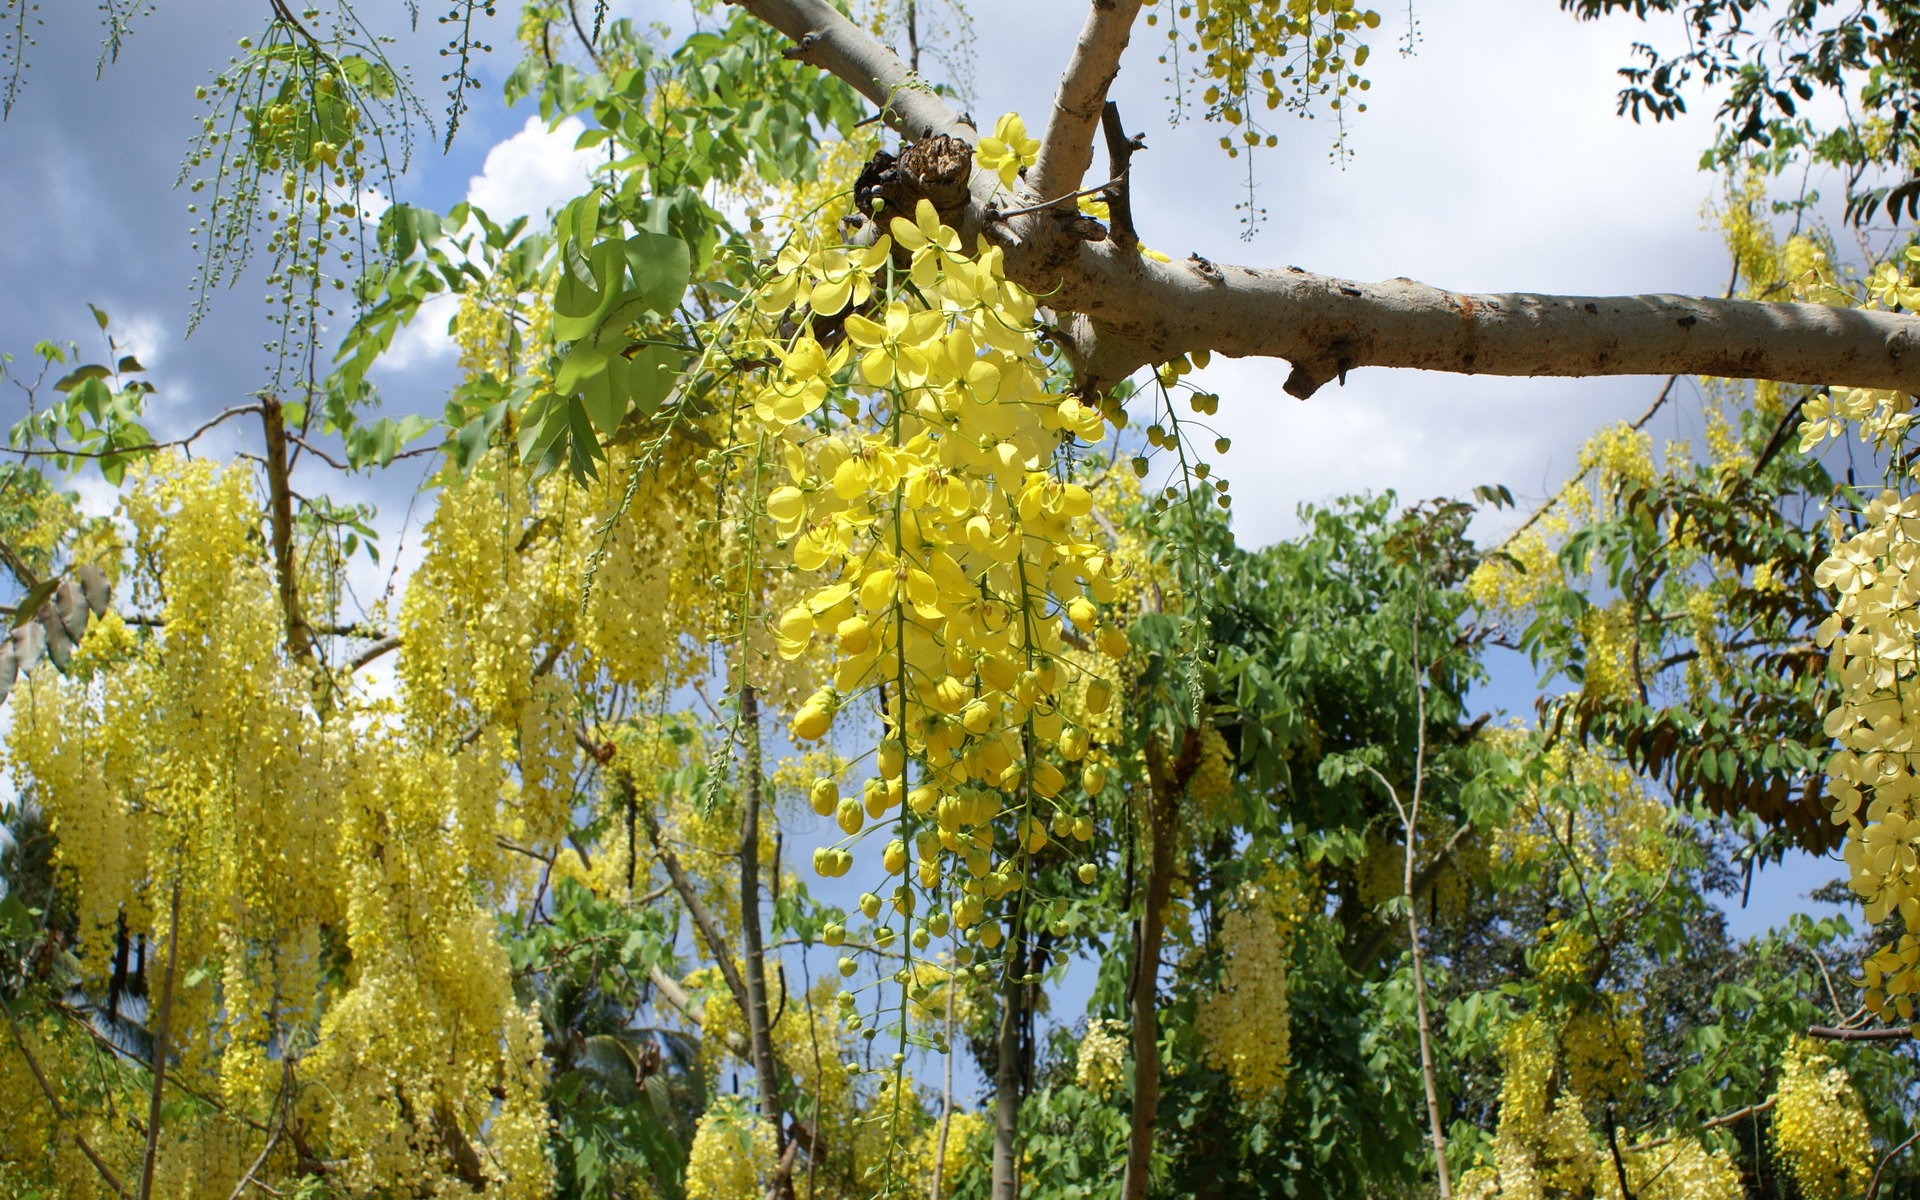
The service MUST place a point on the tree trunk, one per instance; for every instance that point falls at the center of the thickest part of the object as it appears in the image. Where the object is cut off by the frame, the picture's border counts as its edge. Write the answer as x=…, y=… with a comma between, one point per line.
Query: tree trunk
x=1008, y=1077
x=299, y=637
x=1145, y=990
x=752, y=944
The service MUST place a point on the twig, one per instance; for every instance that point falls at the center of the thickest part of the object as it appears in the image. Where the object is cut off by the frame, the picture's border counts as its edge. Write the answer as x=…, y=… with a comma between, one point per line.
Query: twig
x=1838, y=1033
x=55, y=450
x=1873, y=1188
x=1001, y=214
x=702, y=917
x=1119, y=197
x=78, y=1019
x=11, y=560
x=258, y=1162
x=1410, y=822
x=318, y=453
x=676, y=996
x=946, y=1098
x=379, y=647
x=1732, y=1118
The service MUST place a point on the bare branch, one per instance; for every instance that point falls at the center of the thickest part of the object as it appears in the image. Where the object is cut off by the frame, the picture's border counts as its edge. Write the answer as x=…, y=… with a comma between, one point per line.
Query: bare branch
x=318, y=453
x=1841, y=1033
x=825, y=39
x=1119, y=197
x=280, y=496
x=1066, y=149
x=381, y=646
x=1719, y=1122
x=676, y=996
x=710, y=931
x=1136, y=311
x=54, y=450
x=1873, y=1188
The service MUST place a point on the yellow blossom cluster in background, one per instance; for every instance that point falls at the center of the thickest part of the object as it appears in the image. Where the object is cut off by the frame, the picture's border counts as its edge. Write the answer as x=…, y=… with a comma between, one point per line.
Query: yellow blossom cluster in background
x=1102, y=1062
x=1546, y=1144
x=733, y=1155
x=1819, y=1126
x=1244, y=1020
x=1270, y=54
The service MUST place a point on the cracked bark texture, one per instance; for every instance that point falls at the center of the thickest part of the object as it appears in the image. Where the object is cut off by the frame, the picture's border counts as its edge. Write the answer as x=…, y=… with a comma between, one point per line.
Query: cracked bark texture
x=1118, y=312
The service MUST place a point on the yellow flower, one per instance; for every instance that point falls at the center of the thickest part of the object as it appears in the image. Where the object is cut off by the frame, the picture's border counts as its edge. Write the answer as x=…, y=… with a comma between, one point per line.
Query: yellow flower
x=1008, y=150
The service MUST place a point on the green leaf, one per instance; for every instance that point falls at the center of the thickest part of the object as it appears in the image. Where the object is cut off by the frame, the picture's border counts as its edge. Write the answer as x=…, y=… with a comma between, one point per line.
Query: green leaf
x=579, y=221
x=583, y=361
x=604, y=393
x=79, y=375
x=651, y=374
x=586, y=448
x=471, y=441
x=661, y=266
x=581, y=304
x=541, y=429
x=99, y=318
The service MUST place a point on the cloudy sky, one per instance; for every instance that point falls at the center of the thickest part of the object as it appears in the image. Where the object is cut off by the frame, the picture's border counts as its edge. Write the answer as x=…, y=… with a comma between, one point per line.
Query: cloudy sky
x=1489, y=161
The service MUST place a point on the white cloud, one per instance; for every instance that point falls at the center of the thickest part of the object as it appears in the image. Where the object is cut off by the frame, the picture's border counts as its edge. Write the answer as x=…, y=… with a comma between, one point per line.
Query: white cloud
x=532, y=171
x=143, y=336
x=425, y=340
x=525, y=174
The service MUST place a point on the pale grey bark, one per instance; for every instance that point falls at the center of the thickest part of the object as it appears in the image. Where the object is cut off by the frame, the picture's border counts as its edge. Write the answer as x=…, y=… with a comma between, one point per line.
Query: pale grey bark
x=1119, y=312
x=1066, y=148
x=823, y=38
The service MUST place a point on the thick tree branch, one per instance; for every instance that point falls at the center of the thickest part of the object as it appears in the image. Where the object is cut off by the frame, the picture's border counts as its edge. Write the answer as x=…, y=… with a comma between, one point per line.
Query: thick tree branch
x=752, y=950
x=1120, y=311
x=1136, y=311
x=280, y=510
x=823, y=38
x=703, y=920
x=1066, y=149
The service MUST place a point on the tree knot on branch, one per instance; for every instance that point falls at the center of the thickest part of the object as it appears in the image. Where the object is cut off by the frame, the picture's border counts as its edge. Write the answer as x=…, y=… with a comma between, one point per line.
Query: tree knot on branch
x=1204, y=268
x=802, y=47
x=936, y=167
x=1309, y=377
x=940, y=167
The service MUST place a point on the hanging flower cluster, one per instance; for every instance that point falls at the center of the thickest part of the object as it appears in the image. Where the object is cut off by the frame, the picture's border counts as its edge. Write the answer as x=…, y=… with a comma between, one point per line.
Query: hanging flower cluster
x=1244, y=1022
x=949, y=557
x=1269, y=54
x=1819, y=1126
x=1546, y=1144
x=1871, y=777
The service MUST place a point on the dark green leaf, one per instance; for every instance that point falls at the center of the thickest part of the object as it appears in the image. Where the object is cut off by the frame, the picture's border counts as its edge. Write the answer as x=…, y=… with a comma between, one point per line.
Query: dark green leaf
x=661, y=266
